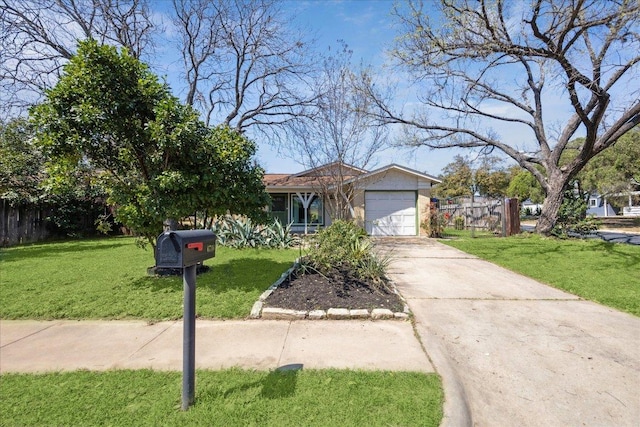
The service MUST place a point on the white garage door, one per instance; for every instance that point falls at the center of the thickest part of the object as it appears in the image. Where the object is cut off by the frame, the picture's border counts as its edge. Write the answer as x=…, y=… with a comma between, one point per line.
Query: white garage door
x=390, y=213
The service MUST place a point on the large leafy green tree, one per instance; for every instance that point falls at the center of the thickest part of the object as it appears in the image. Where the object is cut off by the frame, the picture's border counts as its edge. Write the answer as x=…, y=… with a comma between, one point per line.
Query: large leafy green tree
x=491, y=179
x=21, y=163
x=460, y=178
x=617, y=170
x=524, y=185
x=156, y=158
x=71, y=198
x=457, y=179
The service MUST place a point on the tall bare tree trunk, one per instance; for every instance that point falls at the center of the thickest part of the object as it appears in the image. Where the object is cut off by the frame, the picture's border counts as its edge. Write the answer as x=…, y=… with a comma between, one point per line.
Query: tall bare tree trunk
x=550, y=207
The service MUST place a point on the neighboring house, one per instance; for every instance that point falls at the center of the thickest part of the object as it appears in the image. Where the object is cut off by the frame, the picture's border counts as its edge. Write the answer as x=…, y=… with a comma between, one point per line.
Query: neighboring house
x=598, y=206
x=389, y=201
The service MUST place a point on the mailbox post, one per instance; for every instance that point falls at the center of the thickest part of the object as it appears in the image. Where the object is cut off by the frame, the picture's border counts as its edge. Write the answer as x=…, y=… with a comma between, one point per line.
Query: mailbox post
x=185, y=249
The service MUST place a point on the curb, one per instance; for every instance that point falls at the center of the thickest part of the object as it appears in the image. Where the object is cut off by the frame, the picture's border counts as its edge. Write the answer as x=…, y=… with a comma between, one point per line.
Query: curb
x=259, y=311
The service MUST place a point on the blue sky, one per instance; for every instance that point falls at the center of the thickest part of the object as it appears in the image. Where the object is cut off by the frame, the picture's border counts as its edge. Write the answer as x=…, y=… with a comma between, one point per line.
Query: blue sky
x=367, y=26
x=368, y=29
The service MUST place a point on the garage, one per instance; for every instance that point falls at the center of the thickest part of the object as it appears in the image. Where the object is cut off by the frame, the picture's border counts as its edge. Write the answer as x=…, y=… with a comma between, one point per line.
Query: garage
x=390, y=213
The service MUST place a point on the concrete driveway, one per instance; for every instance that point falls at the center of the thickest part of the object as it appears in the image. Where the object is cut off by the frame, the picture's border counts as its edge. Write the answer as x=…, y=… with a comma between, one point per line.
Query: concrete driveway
x=512, y=351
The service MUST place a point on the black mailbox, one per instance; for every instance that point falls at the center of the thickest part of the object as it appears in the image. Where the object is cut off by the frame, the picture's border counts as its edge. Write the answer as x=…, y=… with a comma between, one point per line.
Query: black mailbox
x=178, y=249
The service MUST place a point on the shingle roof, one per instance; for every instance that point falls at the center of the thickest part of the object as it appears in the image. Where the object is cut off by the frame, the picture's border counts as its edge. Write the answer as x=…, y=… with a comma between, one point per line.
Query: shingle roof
x=310, y=178
x=284, y=180
x=317, y=176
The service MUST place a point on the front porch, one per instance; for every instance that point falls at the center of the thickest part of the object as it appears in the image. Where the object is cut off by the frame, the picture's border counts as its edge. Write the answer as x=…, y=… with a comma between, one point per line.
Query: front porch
x=289, y=208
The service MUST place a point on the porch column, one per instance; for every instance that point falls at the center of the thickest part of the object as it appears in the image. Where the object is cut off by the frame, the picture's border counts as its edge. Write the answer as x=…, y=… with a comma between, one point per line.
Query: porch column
x=306, y=202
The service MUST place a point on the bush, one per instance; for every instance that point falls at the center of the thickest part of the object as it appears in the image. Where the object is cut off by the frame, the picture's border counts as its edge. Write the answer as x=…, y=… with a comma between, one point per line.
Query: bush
x=435, y=221
x=334, y=245
x=344, y=246
x=572, y=217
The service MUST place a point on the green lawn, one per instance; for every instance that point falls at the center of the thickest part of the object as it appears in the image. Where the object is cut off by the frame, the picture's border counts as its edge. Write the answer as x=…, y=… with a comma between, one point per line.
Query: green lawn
x=106, y=279
x=608, y=273
x=223, y=398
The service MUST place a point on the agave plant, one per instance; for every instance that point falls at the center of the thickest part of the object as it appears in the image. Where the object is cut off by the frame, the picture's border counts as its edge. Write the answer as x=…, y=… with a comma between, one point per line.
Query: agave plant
x=246, y=234
x=279, y=236
x=243, y=233
x=221, y=230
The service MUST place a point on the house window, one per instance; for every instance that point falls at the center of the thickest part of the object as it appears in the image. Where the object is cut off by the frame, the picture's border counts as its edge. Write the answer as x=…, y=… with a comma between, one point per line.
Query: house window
x=279, y=207
x=278, y=202
x=314, y=212
x=593, y=202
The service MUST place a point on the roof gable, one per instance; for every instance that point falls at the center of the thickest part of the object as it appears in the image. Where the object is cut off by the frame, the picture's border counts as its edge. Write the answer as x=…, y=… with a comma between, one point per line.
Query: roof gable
x=402, y=169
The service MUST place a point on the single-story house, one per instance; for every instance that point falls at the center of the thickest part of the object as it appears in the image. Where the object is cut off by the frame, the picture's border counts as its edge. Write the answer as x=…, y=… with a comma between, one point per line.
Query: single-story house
x=598, y=206
x=390, y=201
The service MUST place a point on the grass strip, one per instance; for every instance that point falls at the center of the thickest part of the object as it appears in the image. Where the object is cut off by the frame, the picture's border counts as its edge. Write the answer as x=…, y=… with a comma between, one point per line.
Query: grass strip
x=223, y=398
x=106, y=279
x=607, y=273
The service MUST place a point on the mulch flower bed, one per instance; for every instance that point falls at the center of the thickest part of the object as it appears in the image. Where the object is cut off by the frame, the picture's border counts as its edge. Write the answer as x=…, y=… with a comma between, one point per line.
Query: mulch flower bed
x=339, y=289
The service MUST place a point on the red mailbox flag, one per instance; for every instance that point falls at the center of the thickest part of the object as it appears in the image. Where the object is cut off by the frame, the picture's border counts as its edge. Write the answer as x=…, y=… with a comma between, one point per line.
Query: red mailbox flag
x=198, y=246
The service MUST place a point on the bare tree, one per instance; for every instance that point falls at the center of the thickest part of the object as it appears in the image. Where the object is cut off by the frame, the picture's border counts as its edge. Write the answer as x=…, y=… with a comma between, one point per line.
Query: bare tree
x=244, y=65
x=39, y=36
x=493, y=63
x=337, y=131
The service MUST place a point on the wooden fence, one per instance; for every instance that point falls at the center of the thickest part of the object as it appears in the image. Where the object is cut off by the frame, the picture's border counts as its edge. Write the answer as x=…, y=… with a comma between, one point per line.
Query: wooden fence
x=22, y=224
x=481, y=213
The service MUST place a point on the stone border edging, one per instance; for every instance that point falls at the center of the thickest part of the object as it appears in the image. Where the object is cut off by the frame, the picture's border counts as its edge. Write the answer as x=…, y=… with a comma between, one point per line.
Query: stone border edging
x=258, y=310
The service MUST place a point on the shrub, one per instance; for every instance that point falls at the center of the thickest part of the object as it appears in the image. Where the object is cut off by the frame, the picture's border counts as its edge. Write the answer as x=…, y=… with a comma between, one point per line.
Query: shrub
x=435, y=222
x=334, y=245
x=344, y=246
x=572, y=217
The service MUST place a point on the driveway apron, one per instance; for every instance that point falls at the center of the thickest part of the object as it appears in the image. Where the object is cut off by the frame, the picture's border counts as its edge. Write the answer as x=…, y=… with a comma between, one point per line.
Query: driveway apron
x=512, y=351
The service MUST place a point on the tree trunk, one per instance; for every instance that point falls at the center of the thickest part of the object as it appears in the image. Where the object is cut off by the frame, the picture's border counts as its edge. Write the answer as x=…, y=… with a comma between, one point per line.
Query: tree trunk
x=170, y=224
x=550, y=207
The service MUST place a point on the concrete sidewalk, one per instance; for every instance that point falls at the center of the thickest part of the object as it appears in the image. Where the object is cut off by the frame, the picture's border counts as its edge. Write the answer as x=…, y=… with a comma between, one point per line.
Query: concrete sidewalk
x=512, y=351
x=32, y=346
